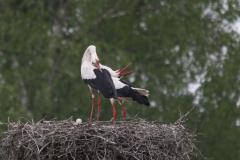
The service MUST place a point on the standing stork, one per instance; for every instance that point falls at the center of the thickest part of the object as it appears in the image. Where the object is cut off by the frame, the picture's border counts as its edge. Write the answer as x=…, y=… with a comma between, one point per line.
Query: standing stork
x=97, y=78
x=125, y=90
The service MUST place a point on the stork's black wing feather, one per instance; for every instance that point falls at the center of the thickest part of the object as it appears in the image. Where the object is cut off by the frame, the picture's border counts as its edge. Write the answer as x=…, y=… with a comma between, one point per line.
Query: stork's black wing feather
x=130, y=92
x=125, y=82
x=103, y=82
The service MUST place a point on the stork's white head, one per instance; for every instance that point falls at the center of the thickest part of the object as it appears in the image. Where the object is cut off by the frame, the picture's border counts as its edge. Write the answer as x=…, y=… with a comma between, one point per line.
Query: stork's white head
x=90, y=55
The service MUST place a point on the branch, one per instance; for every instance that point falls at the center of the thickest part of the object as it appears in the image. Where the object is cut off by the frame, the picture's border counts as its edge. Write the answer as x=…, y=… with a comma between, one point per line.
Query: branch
x=178, y=121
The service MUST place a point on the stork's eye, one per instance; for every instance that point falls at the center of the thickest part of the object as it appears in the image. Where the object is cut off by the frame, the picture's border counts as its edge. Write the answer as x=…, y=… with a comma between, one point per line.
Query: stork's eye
x=92, y=63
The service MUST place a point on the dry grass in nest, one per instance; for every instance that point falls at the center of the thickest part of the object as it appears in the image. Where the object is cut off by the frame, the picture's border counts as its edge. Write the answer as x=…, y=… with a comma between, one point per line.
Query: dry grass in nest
x=135, y=139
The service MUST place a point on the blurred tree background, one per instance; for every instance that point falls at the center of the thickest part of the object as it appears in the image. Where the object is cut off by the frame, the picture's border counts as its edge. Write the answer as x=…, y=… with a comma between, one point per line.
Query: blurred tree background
x=185, y=53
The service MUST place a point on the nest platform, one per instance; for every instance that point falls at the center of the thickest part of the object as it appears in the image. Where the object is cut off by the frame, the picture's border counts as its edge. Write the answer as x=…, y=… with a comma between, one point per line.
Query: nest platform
x=134, y=139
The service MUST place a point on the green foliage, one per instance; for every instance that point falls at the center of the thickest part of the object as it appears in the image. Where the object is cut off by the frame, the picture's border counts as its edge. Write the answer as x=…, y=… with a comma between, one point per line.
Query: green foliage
x=171, y=43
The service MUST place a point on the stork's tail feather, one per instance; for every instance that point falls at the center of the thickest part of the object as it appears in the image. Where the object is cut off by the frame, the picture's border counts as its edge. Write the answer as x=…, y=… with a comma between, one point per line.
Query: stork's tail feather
x=142, y=92
x=139, y=95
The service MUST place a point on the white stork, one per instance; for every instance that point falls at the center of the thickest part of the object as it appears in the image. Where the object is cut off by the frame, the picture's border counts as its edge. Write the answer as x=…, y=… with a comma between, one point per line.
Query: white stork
x=125, y=90
x=97, y=78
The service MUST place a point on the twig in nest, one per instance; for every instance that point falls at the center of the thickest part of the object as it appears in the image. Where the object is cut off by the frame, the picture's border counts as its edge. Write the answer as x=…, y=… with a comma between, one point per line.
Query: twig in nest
x=9, y=120
x=178, y=121
x=143, y=138
x=179, y=112
x=42, y=119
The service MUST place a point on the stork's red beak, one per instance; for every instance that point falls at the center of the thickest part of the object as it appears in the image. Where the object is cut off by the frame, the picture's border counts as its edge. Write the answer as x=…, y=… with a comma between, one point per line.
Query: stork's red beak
x=124, y=74
x=97, y=65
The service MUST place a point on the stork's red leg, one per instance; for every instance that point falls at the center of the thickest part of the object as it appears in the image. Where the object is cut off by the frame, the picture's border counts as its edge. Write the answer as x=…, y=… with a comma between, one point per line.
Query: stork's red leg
x=114, y=112
x=124, y=111
x=114, y=109
x=93, y=100
x=99, y=102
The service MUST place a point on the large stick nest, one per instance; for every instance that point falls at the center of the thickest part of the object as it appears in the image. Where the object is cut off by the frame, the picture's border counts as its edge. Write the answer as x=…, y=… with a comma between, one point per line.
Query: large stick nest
x=135, y=139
